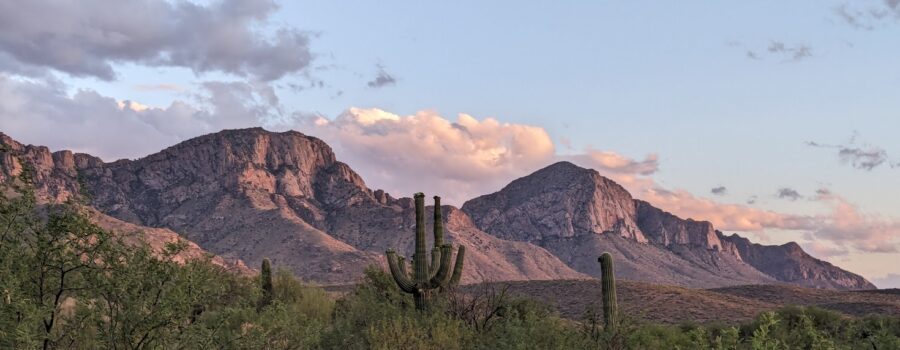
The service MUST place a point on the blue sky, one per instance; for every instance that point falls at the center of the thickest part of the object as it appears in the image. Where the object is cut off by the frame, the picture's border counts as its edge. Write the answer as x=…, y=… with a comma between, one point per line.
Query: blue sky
x=724, y=93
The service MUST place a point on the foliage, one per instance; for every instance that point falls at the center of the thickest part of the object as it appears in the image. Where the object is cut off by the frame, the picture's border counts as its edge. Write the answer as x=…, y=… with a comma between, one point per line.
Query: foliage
x=66, y=283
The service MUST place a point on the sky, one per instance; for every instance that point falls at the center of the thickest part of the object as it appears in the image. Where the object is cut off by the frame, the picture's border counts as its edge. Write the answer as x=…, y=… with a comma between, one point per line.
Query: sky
x=774, y=119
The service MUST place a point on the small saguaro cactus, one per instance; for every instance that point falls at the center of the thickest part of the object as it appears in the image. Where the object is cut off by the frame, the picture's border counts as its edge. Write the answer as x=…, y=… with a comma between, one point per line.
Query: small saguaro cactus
x=265, y=283
x=608, y=288
x=427, y=276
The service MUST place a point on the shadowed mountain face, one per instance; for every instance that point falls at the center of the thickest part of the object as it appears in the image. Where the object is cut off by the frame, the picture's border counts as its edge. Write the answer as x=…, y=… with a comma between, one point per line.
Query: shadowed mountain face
x=576, y=214
x=251, y=194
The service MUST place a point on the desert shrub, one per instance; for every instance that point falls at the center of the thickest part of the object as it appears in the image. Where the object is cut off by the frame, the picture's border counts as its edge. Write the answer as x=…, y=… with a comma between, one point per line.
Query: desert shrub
x=525, y=324
x=655, y=336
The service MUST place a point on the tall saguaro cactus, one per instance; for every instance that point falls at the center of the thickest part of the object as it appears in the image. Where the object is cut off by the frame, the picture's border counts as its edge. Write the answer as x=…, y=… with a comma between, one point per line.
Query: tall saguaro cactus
x=608, y=288
x=265, y=283
x=427, y=276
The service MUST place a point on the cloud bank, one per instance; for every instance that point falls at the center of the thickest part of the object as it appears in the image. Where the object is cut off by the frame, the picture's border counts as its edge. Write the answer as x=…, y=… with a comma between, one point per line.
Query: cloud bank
x=86, y=38
x=86, y=121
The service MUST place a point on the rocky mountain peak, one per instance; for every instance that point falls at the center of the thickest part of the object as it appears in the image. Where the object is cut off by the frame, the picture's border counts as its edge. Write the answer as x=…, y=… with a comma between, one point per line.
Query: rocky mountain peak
x=560, y=200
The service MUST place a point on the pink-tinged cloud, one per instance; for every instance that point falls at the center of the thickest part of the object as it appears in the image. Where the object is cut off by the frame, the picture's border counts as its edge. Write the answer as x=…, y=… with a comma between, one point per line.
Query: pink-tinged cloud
x=612, y=162
x=468, y=157
x=824, y=249
x=425, y=151
x=726, y=217
x=847, y=225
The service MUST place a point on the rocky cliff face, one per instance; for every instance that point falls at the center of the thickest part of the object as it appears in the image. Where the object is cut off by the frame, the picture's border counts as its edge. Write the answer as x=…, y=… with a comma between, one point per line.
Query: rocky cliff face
x=789, y=263
x=251, y=194
x=560, y=201
x=56, y=179
x=577, y=214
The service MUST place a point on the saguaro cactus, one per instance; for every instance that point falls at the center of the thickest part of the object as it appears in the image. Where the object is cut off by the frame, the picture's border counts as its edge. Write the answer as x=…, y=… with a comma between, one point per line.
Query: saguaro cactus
x=427, y=276
x=265, y=283
x=608, y=288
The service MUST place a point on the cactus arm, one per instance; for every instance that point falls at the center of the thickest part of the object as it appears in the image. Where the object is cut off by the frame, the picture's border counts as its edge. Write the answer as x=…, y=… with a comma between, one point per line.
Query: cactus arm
x=402, y=262
x=400, y=276
x=435, y=263
x=608, y=288
x=440, y=278
x=420, y=265
x=458, y=267
x=438, y=223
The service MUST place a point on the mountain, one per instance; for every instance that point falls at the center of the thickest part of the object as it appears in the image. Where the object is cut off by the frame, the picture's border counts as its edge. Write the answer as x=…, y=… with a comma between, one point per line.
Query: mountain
x=251, y=194
x=56, y=179
x=577, y=214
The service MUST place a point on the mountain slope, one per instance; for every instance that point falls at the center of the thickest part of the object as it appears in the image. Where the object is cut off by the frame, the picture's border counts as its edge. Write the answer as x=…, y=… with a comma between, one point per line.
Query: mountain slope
x=577, y=214
x=252, y=194
x=56, y=180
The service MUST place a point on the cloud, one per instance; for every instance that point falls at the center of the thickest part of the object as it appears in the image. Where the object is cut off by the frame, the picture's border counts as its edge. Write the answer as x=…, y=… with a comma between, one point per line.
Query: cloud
x=458, y=158
x=470, y=157
x=824, y=250
x=87, y=38
x=406, y=154
x=719, y=190
x=779, y=49
x=607, y=162
x=727, y=217
x=159, y=87
x=891, y=280
x=843, y=227
x=382, y=79
x=864, y=157
x=869, y=15
x=796, y=52
x=847, y=225
x=44, y=113
x=788, y=193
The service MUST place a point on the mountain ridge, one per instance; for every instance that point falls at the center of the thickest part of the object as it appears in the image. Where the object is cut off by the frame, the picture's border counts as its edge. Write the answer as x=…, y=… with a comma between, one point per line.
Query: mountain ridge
x=594, y=206
x=249, y=193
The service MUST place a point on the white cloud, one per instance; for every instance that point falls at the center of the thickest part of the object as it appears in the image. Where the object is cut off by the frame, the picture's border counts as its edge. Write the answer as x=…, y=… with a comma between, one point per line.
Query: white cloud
x=43, y=113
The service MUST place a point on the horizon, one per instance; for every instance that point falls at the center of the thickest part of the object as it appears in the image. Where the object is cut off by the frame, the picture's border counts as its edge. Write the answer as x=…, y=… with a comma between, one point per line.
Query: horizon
x=775, y=121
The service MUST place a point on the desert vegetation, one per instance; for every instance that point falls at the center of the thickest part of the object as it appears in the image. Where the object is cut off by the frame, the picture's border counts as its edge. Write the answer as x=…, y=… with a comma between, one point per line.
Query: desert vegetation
x=67, y=284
